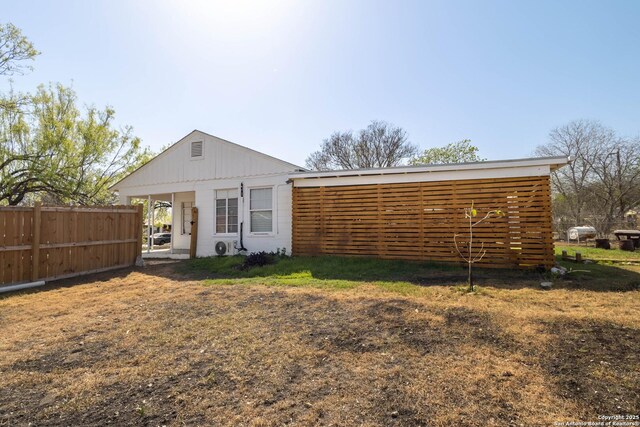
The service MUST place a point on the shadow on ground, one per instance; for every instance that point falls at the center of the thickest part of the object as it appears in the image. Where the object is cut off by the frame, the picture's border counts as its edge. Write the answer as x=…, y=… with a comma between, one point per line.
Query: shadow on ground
x=593, y=277
x=231, y=355
x=299, y=271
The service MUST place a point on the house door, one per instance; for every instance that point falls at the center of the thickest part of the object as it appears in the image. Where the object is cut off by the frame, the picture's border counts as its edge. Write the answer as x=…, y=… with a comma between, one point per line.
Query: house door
x=186, y=217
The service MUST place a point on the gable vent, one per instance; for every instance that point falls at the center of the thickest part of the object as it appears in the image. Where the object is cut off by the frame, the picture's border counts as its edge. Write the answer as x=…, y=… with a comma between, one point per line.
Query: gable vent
x=196, y=149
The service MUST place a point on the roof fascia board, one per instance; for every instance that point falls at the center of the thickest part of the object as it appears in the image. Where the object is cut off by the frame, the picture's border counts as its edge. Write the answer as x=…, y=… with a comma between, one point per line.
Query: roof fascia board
x=444, y=175
x=551, y=162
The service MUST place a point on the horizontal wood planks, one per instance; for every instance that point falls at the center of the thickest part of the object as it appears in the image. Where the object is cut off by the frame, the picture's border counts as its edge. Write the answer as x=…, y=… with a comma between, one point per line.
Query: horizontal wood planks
x=418, y=220
x=71, y=241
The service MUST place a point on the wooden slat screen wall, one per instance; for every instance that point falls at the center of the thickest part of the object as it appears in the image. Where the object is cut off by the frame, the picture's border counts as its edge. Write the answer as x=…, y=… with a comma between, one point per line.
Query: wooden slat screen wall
x=71, y=241
x=417, y=220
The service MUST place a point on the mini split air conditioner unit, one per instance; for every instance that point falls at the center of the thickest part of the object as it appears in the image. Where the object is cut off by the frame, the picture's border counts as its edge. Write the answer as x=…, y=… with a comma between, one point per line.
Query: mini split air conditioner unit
x=226, y=247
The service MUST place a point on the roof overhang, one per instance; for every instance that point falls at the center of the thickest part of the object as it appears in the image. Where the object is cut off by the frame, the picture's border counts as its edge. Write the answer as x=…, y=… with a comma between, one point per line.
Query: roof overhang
x=552, y=162
x=514, y=168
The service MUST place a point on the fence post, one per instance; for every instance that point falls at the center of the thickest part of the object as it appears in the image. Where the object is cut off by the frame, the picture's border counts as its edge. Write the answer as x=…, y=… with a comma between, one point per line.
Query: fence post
x=139, y=227
x=35, y=243
x=194, y=233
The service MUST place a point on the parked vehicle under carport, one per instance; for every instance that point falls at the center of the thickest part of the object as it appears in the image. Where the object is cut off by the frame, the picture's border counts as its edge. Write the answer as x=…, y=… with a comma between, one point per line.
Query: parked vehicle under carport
x=161, y=238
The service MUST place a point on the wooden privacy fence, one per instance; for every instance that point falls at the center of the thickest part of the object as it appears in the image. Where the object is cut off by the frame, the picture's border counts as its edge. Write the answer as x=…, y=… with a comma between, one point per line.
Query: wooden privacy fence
x=418, y=220
x=51, y=242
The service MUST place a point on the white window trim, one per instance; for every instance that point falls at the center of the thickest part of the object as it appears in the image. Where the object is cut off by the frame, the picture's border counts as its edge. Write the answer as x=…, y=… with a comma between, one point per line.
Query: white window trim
x=274, y=212
x=215, y=214
x=200, y=157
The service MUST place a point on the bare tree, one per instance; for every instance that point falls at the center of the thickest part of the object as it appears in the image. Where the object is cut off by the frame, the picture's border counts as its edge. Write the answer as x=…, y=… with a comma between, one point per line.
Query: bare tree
x=601, y=183
x=379, y=145
x=581, y=140
x=616, y=188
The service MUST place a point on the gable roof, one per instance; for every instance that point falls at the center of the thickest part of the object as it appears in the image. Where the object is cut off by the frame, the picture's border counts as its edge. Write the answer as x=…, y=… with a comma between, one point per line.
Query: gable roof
x=169, y=150
x=251, y=150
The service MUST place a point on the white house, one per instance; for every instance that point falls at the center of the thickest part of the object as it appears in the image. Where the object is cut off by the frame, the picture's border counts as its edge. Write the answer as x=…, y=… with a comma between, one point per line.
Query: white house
x=242, y=195
x=247, y=200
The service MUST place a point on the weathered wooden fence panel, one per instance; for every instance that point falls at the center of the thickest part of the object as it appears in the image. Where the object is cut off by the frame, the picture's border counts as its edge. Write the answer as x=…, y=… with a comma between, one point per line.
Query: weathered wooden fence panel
x=418, y=220
x=54, y=242
x=15, y=262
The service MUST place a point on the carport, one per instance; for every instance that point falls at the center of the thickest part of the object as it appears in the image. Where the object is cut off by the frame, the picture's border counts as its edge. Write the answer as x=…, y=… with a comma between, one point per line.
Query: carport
x=181, y=205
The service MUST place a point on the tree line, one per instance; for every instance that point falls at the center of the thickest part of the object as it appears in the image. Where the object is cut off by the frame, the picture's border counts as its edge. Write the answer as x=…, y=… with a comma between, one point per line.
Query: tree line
x=601, y=185
x=54, y=151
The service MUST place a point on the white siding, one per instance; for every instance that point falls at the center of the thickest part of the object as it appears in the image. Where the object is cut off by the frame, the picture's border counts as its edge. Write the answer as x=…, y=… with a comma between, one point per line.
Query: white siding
x=223, y=165
x=279, y=238
x=204, y=201
x=220, y=160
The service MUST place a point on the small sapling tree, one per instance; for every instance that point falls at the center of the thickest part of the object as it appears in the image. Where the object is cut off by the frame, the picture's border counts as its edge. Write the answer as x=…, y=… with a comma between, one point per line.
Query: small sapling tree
x=472, y=257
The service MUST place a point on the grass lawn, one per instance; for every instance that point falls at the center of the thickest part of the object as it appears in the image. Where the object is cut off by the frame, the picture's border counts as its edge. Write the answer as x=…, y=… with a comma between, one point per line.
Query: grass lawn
x=590, y=252
x=321, y=341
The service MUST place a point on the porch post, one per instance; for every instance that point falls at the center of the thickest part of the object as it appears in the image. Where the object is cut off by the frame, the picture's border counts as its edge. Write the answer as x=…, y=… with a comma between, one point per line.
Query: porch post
x=153, y=220
x=149, y=226
x=173, y=215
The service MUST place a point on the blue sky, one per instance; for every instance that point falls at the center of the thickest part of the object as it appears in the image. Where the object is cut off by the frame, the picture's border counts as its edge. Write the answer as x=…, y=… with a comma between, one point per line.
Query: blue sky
x=280, y=76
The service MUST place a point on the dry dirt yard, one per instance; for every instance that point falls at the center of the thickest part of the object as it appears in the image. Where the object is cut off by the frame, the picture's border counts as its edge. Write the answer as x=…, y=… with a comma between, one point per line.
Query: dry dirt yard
x=156, y=347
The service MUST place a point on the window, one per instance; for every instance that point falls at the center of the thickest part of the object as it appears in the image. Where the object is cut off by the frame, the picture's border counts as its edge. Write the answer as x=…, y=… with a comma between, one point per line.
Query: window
x=186, y=217
x=196, y=149
x=226, y=211
x=261, y=210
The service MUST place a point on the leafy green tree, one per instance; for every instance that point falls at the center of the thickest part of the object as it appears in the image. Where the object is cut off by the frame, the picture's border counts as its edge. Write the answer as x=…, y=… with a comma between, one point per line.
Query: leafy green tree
x=15, y=48
x=50, y=149
x=456, y=152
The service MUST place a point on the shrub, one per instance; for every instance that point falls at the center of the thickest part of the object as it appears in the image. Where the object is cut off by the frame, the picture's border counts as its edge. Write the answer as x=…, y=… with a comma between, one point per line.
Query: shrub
x=258, y=259
x=262, y=258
